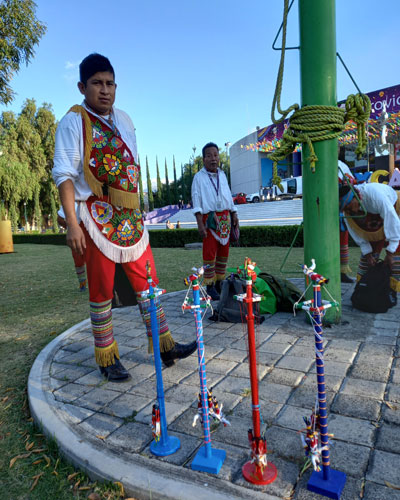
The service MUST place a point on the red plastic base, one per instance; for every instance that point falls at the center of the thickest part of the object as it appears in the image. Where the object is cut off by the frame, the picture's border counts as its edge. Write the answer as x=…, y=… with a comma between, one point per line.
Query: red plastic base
x=252, y=475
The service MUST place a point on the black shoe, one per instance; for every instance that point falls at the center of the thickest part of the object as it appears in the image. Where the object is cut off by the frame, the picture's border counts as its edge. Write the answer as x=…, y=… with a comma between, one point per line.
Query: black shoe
x=212, y=292
x=115, y=372
x=218, y=286
x=179, y=351
x=346, y=279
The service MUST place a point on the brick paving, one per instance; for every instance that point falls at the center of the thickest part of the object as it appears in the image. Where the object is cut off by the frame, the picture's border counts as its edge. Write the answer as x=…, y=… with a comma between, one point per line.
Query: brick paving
x=72, y=401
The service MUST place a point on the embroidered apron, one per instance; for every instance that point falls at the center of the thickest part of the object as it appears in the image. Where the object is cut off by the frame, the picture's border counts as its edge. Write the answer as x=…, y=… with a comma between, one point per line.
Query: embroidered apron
x=118, y=231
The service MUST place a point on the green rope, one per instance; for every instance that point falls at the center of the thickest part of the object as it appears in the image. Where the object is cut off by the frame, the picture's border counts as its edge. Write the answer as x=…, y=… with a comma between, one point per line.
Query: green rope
x=314, y=123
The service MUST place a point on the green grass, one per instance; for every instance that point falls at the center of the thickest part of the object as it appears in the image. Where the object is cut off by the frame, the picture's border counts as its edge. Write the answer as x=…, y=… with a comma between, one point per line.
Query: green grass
x=39, y=300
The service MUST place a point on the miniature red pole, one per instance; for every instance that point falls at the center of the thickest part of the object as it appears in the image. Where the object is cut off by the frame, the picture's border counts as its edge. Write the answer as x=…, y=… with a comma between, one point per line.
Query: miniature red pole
x=257, y=470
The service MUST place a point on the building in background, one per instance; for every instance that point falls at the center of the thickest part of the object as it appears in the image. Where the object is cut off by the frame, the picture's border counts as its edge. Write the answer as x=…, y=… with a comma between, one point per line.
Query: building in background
x=251, y=169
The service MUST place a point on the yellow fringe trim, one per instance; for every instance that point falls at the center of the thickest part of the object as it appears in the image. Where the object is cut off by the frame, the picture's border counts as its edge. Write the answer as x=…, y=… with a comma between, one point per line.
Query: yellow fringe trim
x=209, y=281
x=394, y=284
x=123, y=199
x=345, y=268
x=117, y=197
x=378, y=235
x=166, y=343
x=105, y=356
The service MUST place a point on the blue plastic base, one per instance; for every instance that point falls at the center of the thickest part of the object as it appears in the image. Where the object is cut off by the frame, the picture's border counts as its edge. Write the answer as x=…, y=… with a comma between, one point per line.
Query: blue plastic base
x=161, y=450
x=210, y=464
x=331, y=488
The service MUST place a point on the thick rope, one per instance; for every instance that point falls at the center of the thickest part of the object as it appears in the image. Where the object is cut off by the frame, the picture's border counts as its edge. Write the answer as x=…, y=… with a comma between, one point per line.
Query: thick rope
x=314, y=123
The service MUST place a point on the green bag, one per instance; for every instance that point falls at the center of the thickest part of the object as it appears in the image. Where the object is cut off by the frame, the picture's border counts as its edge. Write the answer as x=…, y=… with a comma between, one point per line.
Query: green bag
x=285, y=292
x=268, y=305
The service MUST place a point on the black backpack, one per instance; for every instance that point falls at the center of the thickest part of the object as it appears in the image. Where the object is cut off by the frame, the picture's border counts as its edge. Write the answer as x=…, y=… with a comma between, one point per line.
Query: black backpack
x=372, y=293
x=286, y=293
x=229, y=309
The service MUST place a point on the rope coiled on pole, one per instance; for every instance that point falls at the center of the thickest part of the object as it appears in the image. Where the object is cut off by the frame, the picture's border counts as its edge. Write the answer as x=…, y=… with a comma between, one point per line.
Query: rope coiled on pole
x=314, y=123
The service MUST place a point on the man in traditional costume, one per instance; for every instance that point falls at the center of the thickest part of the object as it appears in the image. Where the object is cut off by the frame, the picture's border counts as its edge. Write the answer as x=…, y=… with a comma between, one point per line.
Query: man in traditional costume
x=345, y=176
x=215, y=212
x=378, y=229
x=95, y=165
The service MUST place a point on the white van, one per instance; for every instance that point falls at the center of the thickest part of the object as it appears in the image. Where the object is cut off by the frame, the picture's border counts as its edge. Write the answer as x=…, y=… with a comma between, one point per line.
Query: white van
x=291, y=188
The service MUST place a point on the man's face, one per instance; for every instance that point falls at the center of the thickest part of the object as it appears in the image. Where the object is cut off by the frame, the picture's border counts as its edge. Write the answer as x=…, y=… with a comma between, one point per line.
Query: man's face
x=99, y=92
x=211, y=159
x=353, y=207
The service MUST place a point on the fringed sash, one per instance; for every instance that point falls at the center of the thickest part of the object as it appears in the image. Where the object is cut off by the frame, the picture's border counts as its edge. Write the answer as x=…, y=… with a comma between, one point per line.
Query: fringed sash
x=108, y=162
x=219, y=225
x=370, y=227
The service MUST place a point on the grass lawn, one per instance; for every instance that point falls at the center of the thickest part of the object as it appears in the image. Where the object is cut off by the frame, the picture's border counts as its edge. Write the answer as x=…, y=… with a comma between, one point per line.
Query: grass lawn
x=39, y=300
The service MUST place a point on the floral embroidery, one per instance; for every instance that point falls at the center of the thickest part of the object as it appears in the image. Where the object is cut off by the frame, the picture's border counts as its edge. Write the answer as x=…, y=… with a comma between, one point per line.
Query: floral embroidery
x=99, y=138
x=111, y=164
x=116, y=142
x=101, y=211
x=125, y=230
x=133, y=174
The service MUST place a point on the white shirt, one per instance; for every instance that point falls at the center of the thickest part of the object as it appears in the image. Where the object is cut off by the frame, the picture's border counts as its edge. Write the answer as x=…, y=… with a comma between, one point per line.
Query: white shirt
x=379, y=199
x=69, y=149
x=204, y=192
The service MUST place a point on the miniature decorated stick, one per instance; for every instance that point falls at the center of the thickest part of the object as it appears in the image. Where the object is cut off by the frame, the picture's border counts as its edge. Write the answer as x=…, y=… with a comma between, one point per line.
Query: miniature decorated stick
x=258, y=470
x=207, y=459
x=163, y=444
x=328, y=482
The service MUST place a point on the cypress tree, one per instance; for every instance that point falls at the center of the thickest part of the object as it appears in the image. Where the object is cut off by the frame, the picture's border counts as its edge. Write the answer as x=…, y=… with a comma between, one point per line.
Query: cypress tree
x=183, y=185
x=159, y=187
x=175, y=184
x=141, y=194
x=167, y=190
x=149, y=189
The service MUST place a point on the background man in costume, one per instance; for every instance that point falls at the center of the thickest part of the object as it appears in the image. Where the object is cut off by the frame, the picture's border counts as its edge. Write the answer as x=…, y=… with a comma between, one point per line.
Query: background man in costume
x=378, y=229
x=215, y=212
x=95, y=166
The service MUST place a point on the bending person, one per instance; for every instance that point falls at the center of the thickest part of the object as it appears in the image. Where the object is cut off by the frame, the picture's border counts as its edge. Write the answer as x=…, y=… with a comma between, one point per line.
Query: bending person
x=378, y=229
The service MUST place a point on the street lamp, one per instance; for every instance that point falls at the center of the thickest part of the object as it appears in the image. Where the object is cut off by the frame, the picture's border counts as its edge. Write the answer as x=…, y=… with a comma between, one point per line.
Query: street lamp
x=26, y=220
x=228, y=169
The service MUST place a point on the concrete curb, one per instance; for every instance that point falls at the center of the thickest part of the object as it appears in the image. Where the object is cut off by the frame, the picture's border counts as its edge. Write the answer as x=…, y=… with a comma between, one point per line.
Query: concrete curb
x=133, y=472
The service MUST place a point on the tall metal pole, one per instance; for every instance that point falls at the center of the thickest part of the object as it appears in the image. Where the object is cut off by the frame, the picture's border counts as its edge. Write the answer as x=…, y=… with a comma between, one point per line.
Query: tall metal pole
x=320, y=189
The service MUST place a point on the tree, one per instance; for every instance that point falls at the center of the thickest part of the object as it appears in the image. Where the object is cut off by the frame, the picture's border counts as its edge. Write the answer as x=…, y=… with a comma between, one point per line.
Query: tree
x=149, y=188
x=27, y=146
x=159, y=187
x=175, y=183
x=20, y=32
x=167, y=190
x=141, y=194
x=183, y=193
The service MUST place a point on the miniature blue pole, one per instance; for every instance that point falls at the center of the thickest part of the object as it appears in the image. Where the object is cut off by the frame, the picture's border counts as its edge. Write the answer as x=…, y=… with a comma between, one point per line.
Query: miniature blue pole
x=166, y=445
x=328, y=482
x=207, y=459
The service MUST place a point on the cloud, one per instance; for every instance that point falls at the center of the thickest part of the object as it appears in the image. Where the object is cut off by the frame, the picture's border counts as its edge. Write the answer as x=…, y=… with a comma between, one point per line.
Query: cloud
x=71, y=65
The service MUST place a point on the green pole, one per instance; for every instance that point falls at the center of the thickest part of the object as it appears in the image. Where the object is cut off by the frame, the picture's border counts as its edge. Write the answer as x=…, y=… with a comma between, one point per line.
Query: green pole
x=320, y=189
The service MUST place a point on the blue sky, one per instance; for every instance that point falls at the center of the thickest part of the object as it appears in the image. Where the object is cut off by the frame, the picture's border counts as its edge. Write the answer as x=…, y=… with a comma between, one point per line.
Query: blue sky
x=191, y=71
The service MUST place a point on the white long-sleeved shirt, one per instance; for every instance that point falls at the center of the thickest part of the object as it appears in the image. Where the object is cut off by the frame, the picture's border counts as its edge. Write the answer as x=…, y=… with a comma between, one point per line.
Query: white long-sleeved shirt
x=204, y=194
x=69, y=149
x=379, y=199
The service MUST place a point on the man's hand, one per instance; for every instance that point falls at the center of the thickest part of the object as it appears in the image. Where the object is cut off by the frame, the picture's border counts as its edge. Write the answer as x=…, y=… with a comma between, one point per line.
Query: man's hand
x=202, y=229
x=235, y=220
x=389, y=259
x=371, y=261
x=76, y=239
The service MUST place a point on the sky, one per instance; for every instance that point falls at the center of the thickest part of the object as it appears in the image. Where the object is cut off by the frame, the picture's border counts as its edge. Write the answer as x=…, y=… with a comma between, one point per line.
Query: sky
x=194, y=71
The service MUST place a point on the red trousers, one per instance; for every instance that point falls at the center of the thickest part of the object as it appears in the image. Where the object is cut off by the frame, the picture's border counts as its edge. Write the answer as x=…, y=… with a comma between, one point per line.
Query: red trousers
x=101, y=271
x=215, y=256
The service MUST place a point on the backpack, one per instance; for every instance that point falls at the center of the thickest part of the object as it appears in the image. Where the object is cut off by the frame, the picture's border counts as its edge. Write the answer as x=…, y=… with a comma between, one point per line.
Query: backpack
x=372, y=292
x=286, y=293
x=229, y=309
